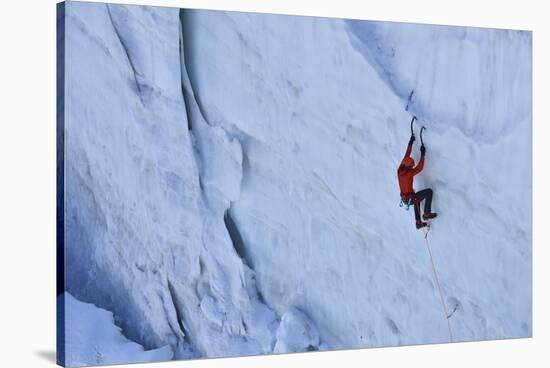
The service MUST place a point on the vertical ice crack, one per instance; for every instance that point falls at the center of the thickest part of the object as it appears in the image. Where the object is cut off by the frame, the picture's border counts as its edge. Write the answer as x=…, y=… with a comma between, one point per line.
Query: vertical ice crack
x=236, y=237
x=191, y=98
x=174, y=299
x=125, y=49
x=204, y=134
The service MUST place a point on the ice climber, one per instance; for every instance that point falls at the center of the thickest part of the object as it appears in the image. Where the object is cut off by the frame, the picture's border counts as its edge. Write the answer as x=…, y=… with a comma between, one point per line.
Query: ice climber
x=405, y=174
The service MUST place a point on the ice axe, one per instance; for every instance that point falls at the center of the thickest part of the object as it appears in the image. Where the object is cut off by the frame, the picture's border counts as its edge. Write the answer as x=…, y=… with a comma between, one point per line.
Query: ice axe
x=412, y=122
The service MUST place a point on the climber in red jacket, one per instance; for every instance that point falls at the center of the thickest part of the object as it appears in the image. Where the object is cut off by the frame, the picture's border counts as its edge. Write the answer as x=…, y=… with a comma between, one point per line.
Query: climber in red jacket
x=405, y=174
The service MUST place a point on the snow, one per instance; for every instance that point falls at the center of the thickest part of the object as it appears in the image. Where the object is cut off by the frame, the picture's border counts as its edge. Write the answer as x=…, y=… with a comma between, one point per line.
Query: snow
x=93, y=338
x=296, y=333
x=231, y=180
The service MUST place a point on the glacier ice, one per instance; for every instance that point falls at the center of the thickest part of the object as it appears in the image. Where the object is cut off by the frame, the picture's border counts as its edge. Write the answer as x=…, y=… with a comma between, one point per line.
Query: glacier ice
x=325, y=130
x=230, y=179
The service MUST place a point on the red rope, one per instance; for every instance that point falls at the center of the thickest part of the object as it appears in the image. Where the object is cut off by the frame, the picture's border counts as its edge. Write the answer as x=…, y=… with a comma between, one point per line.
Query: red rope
x=439, y=288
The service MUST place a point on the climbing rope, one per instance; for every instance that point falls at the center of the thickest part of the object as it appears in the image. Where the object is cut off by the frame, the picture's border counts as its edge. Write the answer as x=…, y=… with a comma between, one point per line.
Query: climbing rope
x=447, y=316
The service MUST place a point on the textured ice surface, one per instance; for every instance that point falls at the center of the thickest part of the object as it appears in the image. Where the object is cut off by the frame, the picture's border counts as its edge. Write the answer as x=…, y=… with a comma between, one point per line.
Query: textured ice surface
x=145, y=229
x=474, y=79
x=231, y=179
x=324, y=128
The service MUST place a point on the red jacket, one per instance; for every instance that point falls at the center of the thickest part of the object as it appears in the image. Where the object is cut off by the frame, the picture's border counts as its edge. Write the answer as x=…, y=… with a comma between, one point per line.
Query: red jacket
x=405, y=175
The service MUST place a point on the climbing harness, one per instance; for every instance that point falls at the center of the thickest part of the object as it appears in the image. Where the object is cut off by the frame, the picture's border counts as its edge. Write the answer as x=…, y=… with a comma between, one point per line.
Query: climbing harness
x=407, y=202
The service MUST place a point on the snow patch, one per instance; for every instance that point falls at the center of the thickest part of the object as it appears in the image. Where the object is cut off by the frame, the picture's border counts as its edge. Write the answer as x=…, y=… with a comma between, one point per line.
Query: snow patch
x=296, y=333
x=93, y=338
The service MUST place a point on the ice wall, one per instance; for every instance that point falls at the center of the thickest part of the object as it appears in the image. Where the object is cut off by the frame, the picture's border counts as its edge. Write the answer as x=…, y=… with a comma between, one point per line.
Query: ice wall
x=319, y=106
x=130, y=175
x=477, y=80
x=144, y=215
x=230, y=179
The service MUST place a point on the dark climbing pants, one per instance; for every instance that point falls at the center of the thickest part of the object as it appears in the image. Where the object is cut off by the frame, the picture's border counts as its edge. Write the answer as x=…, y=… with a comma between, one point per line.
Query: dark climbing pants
x=424, y=195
